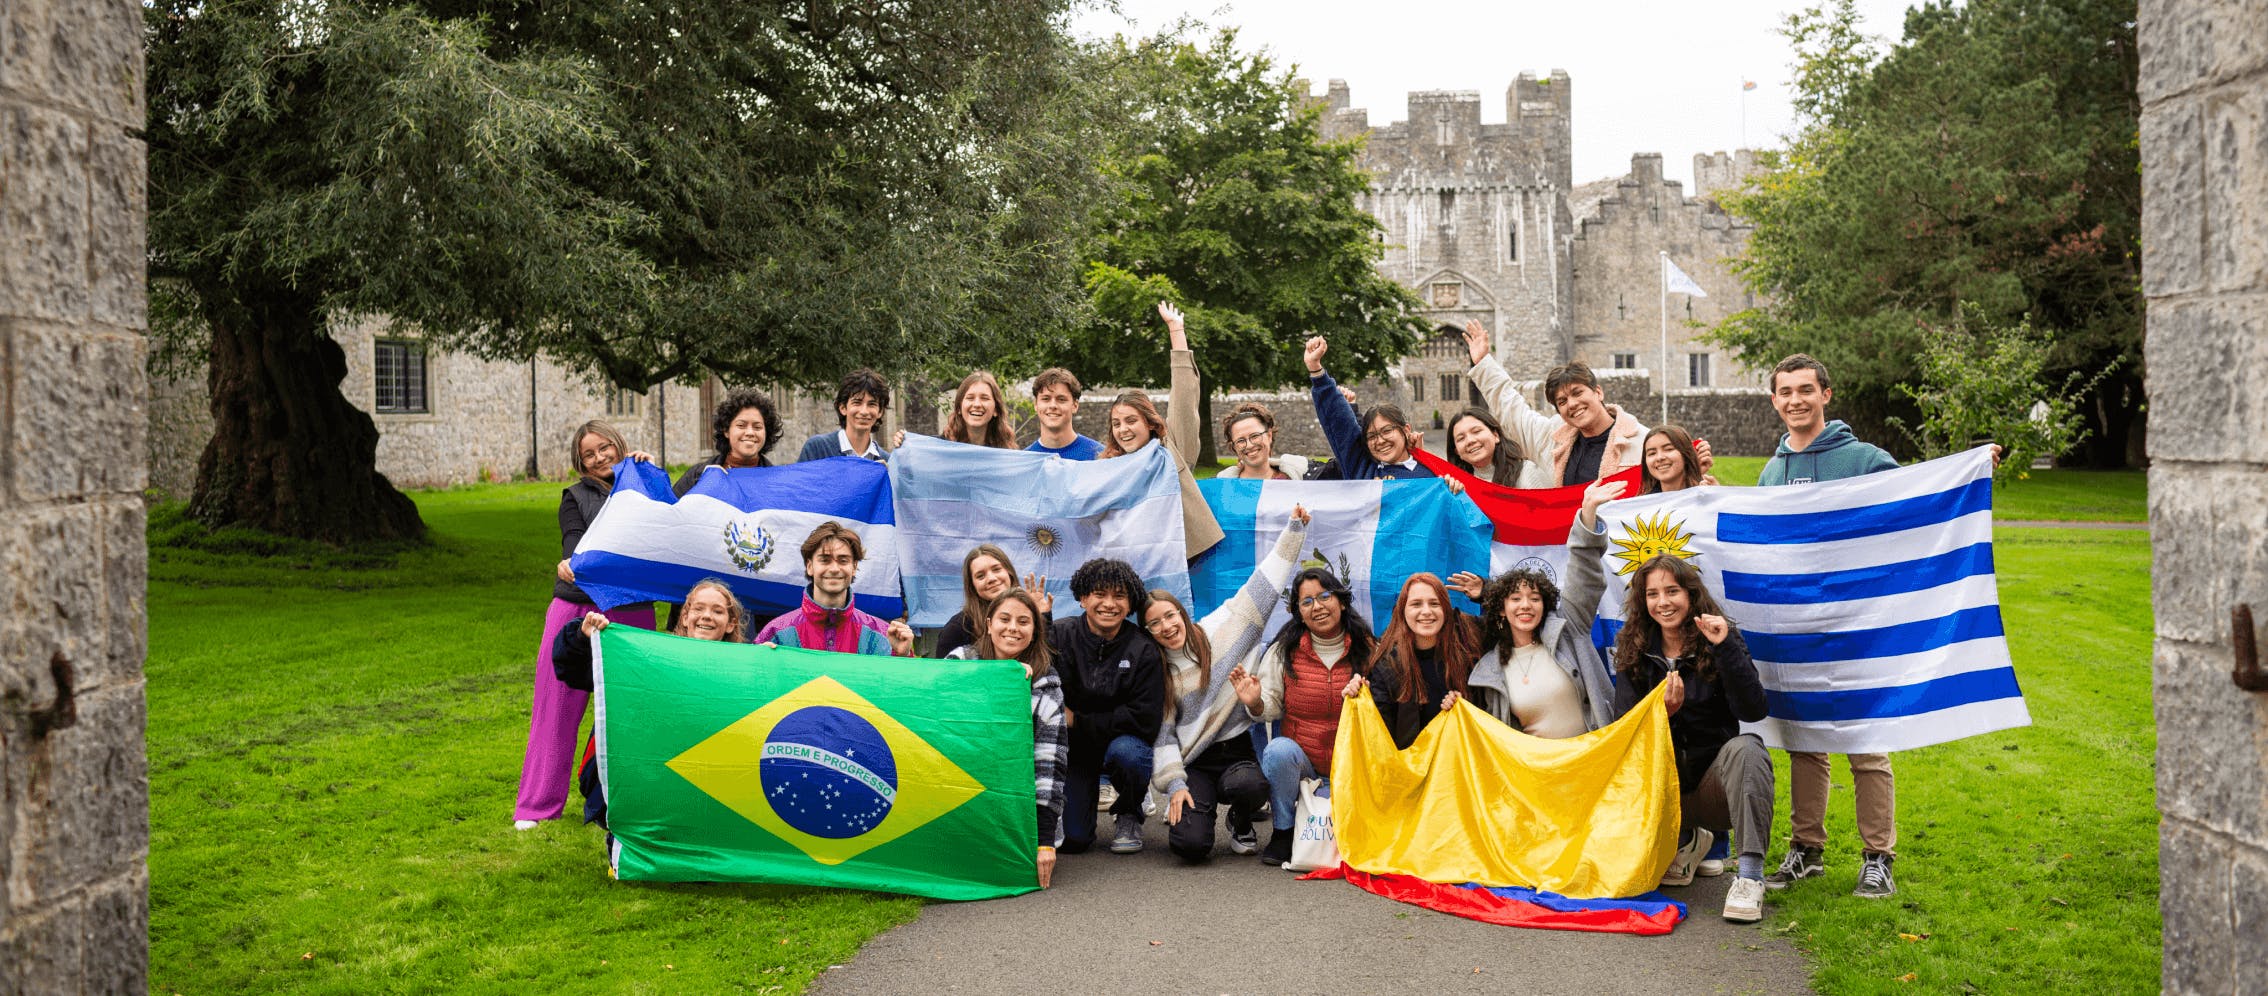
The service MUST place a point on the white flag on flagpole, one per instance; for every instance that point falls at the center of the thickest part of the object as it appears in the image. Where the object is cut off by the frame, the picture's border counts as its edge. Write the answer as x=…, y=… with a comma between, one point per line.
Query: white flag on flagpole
x=1677, y=282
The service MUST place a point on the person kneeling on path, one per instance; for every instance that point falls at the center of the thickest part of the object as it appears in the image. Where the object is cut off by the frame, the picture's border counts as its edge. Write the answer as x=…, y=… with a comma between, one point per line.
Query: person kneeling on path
x=827, y=620
x=1318, y=652
x=1010, y=631
x=1114, y=687
x=1674, y=634
x=1204, y=747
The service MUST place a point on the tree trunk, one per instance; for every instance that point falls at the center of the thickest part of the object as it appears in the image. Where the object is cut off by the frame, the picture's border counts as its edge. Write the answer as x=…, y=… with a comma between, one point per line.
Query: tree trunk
x=289, y=455
x=2113, y=420
x=1208, y=453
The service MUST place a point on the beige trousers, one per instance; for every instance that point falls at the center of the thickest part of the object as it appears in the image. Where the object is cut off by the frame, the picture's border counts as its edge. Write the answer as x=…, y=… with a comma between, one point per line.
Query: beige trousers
x=1808, y=780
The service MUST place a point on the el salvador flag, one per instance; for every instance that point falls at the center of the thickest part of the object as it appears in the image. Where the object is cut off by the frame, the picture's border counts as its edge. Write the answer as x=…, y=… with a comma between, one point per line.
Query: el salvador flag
x=1869, y=604
x=745, y=527
x=1047, y=513
x=1372, y=534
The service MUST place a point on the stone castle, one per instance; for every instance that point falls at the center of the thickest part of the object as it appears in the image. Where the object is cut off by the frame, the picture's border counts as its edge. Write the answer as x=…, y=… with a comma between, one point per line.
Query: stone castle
x=1482, y=220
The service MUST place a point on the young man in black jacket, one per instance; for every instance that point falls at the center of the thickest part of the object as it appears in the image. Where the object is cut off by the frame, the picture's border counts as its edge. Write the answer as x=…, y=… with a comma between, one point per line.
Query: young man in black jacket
x=1114, y=691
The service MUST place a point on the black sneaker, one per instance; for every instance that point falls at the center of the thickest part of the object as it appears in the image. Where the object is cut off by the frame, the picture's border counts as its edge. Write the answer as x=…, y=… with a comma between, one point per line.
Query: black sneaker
x=1874, y=880
x=1243, y=839
x=1801, y=862
x=1278, y=851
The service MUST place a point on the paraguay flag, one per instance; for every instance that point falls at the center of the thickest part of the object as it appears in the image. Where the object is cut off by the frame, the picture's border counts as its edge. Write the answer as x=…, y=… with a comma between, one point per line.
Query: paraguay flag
x=1048, y=514
x=1372, y=534
x=745, y=527
x=1530, y=524
x=725, y=762
x=1869, y=604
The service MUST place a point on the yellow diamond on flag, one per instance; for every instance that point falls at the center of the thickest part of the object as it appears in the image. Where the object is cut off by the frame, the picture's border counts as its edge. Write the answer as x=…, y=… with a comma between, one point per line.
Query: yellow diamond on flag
x=826, y=771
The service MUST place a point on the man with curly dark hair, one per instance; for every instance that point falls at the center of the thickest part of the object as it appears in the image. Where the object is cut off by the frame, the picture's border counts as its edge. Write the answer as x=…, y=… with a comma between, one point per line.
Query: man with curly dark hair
x=744, y=427
x=1114, y=689
x=861, y=401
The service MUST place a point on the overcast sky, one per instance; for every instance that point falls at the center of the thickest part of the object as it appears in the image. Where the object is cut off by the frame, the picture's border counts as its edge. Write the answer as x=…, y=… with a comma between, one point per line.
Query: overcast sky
x=1648, y=75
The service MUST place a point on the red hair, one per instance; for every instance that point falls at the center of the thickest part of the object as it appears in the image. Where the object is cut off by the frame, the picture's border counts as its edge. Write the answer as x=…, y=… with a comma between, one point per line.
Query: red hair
x=1397, y=651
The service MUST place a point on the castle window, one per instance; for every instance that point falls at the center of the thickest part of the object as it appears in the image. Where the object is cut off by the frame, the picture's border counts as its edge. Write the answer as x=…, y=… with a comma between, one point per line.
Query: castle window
x=1512, y=244
x=1448, y=207
x=1445, y=136
x=400, y=374
x=1697, y=370
x=1417, y=389
x=1626, y=361
x=621, y=401
x=1449, y=389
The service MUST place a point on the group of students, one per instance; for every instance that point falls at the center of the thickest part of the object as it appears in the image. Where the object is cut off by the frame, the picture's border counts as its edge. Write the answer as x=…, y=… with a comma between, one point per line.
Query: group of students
x=1214, y=713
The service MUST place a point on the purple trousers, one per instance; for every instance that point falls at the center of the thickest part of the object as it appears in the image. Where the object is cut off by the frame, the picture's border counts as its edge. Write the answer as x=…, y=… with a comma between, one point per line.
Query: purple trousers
x=556, y=715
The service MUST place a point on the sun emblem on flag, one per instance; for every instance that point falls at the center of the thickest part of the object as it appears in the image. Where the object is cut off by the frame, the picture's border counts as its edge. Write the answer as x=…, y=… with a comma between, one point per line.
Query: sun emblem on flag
x=1043, y=540
x=1650, y=538
x=748, y=545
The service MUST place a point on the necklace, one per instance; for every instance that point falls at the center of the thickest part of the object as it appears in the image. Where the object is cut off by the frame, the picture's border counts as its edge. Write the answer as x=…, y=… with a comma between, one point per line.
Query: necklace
x=1527, y=663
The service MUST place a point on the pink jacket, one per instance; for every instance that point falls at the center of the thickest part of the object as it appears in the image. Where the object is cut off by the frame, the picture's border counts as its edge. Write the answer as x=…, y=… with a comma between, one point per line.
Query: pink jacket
x=1622, y=450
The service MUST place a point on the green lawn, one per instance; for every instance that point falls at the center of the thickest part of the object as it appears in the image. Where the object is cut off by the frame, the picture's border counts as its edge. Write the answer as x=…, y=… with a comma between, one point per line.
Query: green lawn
x=2051, y=495
x=334, y=743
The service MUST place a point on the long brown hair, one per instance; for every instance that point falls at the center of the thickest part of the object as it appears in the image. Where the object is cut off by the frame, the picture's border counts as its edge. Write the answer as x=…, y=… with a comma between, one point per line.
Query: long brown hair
x=972, y=604
x=1037, y=655
x=604, y=431
x=1679, y=438
x=736, y=615
x=1397, y=651
x=1194, y=640
x=1505, y=463
x=1640, y=631
x=1143, y=406
x=996, y=434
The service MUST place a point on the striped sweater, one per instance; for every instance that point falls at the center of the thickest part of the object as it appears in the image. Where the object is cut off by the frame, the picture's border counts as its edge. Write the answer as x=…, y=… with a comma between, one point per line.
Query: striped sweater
x=1205, y=714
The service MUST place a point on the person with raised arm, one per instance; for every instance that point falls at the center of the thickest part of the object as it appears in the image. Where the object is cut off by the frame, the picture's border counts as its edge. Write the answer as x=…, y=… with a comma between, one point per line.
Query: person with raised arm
x=1135, y=423
x=1588, y=439
x=1011, y=629
x=1203, y=755
x=1540, y=675
x=1377, y=445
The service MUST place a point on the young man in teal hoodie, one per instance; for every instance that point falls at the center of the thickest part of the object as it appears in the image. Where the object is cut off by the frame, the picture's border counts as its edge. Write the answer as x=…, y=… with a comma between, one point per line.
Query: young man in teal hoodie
x=1816, y=449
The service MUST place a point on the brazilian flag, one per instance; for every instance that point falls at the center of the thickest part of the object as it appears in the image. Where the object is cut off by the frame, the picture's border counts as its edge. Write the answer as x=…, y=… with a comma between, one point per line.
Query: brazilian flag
x=726, y=762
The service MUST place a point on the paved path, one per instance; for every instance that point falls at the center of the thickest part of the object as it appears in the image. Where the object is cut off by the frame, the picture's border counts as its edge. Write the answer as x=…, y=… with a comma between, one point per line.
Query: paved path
x=1143, y=923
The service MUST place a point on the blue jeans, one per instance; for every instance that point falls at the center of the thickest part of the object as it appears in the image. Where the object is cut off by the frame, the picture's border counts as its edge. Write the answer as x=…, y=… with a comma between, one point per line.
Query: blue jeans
x=1126, y=762
x=1284, y=763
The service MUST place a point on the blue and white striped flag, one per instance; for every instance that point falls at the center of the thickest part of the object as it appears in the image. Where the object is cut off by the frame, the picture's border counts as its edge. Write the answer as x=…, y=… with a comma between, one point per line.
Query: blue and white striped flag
x=1372, y=534
x=744, y=526
x=1869, y=603
x=1049, y=514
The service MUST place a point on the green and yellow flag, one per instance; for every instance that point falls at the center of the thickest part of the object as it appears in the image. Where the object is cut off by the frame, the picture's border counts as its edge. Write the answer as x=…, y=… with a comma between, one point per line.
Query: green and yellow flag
x=731, y=763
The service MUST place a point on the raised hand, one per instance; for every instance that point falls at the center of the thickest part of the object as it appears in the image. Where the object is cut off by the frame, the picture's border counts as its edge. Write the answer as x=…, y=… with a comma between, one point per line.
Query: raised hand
x=901, y=638
x=1247, y=688
x=1299, y=512
x=1708, y=458
x=1037, y=585
x=1467, y=582
x=1313, y=354
x=1714, y=627
x=1599, y=493
x=1476, y=340
x=1173, y=324
x=593, y=622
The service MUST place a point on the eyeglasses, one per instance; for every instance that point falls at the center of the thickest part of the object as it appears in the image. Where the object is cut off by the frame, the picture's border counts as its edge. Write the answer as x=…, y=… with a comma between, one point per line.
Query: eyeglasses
x=1382, y=433
x=1167, y=616
x=1251, y=439
x=1319, y=598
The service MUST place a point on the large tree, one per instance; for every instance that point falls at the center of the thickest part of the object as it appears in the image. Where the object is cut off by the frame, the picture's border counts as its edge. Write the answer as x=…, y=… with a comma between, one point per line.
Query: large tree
x=1986, y=161
x=1229, y=202
x=766, y=191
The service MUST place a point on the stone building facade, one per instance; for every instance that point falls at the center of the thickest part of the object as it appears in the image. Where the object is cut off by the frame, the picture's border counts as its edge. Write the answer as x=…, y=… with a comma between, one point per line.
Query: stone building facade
x=1616, y=253
x=2204, y=92
x=74, y=787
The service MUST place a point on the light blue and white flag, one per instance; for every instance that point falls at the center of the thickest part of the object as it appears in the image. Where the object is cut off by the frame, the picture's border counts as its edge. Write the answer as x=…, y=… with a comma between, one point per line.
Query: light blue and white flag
x=1049, y=514
x=744, y=526
x=1372, y=534
x=1869, y=604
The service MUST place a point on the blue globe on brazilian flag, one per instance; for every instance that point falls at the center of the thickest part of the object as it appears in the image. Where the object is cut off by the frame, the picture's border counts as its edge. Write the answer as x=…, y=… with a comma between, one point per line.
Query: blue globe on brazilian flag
x=730, y=763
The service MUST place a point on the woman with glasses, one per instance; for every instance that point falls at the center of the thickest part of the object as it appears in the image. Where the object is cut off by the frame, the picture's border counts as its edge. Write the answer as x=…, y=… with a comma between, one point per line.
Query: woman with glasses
x=1203, y=756
x=1250, y=431
x=1378, y=445
x=1315, y=654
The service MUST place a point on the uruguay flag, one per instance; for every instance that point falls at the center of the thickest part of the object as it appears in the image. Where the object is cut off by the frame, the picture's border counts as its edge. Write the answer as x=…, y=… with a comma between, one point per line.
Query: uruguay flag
x=1530, y=523
x=1372, y=534
x=1048, y=514
x=745, y=527
x=1869, y=603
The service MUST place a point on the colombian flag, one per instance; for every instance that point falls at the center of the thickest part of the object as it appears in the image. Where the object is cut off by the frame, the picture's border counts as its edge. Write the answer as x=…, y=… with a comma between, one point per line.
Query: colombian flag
x=734, y=763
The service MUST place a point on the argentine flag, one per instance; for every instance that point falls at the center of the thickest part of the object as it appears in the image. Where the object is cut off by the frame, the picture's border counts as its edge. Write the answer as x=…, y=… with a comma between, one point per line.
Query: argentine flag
x=745, y=527
x=1869, y=603
x=1372, y=534
x=1049, y=514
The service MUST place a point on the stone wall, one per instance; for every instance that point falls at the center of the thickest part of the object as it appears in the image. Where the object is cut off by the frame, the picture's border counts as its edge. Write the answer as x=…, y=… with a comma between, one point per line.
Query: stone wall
x=74, y=788
x=1617, y=276
x=2204, y=90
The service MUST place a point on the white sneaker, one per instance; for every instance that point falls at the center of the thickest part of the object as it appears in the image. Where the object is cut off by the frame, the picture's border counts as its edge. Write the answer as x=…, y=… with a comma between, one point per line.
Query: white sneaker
x=1711, y=868
x=1106, y=798
x=523, y=824
x=1682, y=867
x=1744, y=902
x=1150, y=804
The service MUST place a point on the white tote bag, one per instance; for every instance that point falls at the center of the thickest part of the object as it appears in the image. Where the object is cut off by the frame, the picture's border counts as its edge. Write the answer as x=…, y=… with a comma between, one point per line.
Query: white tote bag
x=1317, y=842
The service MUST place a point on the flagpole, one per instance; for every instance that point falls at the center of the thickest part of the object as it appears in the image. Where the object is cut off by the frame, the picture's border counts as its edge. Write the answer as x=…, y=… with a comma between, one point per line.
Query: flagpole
x=1665, y=335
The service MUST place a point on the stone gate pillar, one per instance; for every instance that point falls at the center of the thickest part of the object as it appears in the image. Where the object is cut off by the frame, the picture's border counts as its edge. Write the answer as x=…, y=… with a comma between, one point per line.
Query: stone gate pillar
x=74, y=813
x=2204, y=90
